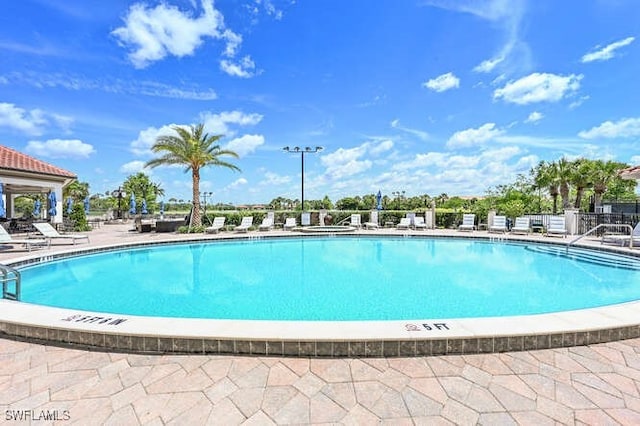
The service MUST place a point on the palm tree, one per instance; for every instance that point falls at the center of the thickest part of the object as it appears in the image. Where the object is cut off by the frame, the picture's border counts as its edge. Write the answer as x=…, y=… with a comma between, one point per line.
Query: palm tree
x=545, y=176
x=564, y=172
x=603, y=174
x=194, y=149
x=582, y=178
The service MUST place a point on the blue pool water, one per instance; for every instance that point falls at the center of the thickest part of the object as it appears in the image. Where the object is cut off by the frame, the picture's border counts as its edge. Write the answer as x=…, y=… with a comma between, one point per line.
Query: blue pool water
x=336, y=278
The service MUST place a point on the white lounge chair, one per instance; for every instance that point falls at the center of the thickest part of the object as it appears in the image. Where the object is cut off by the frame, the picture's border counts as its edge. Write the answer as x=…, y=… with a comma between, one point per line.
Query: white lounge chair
x=556, y=226
x=28, y=243
x=355, y=221
x=405, y=223
x=305, y=219
x=216, y=226
x=244, y=226
x=522, y=226
x=468, y=222
x=499, y=224
x=289, y=224
x=418, y=223
x=266, y=225
x=623, y=240
x=50, y=232
x=373, y=221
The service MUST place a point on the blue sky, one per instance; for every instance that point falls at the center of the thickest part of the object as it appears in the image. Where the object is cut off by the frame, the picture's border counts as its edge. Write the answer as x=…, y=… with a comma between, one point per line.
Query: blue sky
x=422, y=96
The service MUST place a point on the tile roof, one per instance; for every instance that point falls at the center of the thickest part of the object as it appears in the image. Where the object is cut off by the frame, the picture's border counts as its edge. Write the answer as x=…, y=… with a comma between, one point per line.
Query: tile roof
x=14, y=160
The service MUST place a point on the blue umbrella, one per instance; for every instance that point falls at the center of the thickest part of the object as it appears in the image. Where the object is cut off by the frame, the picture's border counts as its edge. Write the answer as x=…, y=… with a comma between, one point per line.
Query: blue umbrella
x=36, y=208
x=143, y=208
x=132, y=204
x=3, y=212
x=86, y=205
x=69, y=205
x=379, y=200
x=52, y=204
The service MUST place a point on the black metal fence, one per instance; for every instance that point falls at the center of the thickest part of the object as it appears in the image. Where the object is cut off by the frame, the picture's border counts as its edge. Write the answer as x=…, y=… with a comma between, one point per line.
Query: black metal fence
x=587, y=221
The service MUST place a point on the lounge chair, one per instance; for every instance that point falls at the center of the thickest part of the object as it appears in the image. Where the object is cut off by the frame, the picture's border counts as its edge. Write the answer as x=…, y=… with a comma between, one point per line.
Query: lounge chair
x=305, y=219
x=468, y=222
x=244, y=226
x=216, y=226
x=405, y=223
x=499, y=224
x=418, y=223
x=373, y=221
x=28, y=243
x=289, y=224
x=556, y=226
x=355, y=221
x=50, y=233
x=622, y=239
x=522, y=226
x=266, y=225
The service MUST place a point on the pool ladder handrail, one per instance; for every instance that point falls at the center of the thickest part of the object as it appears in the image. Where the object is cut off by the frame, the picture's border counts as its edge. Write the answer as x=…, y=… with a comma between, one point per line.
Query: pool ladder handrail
x=605, y=225
x=7, y=275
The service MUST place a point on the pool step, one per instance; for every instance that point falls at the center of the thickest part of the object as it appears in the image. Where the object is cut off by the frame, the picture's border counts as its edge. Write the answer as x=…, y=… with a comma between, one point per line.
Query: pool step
x=612, y=261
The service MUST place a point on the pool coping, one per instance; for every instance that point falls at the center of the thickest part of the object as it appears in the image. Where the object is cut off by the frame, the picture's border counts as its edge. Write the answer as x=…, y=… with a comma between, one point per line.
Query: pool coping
x=159, y=335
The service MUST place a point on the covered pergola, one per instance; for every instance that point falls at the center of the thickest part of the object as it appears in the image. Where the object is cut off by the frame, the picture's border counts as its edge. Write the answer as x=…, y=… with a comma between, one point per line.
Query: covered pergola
x=21, y=174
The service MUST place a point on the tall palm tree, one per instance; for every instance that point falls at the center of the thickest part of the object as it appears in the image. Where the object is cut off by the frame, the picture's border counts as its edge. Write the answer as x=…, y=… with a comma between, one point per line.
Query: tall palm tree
x=604, y=173
x=545, y=176
x=564, y=173
x=194, y=149
x=582, y=178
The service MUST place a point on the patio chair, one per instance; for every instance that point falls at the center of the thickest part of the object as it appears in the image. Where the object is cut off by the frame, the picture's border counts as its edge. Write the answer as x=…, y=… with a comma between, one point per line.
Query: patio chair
x=623, y=240
x=468, y=222
x=289, y=224
x=405, y=223
x=50, y=233
x=28, y=243
x=216, y=226
x=556, y=226
x=355, y=221
x=522, y=226
x=373, y=221
x=499, y=224
x=244, y=226
x=418, y=223
x=267, y=224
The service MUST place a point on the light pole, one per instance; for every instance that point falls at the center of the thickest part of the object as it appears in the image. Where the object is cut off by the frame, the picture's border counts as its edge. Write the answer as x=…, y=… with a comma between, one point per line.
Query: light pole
x=119, y=194
x=205, y=195
x=302, y=151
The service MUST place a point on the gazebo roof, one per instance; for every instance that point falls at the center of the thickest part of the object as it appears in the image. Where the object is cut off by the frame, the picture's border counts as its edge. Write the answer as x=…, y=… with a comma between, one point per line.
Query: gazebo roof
x=11, y=159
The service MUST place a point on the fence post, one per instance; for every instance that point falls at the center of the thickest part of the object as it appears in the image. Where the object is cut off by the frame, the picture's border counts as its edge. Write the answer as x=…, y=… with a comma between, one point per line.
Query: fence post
x=571, y=220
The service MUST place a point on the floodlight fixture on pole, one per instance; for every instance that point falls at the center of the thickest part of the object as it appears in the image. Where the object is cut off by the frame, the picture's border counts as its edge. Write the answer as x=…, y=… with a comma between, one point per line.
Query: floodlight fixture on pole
x=302, y=151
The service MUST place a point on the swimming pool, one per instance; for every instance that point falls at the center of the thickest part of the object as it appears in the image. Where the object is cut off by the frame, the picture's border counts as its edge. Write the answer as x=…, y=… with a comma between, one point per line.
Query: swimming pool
x=335, y=279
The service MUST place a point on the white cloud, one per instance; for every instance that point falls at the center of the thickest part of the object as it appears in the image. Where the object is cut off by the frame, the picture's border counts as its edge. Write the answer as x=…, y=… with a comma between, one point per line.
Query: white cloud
x=625, y=128
x=471, y=137
x=488, y=64
x=383, y=146
x=60, y=148
x=271, y=179
x=147, y=137
x=538, y=87
x=607, y=52
x=579, y=101
x=245, y=144
x=443, y=82
x=29, y=122
x=244, y=68
x=419, y=133
x=151, y=34
x=236, y=183
x=220, y=123
x=134, y=167
x=346, y=162
x=534, y=117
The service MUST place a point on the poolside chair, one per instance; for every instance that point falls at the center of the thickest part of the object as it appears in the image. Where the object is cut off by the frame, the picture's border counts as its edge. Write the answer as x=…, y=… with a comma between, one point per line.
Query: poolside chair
x=373, y=221
x=499, y=224
x=50, y=233
x=305, y=218
x=622, y=239
x=468, y=222
x=216, y=226
x=28, y=243
x=556, y=226
x=355, y=221
x=405, y=223
x=418, y=223
x=289, y=224
x=522, y=226
x=244, y=226
x=267, y=224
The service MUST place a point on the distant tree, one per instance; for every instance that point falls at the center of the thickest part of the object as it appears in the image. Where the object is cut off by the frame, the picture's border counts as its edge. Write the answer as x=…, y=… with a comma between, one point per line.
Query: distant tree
x=193, y=149
x=77, y=190
x=141, y=186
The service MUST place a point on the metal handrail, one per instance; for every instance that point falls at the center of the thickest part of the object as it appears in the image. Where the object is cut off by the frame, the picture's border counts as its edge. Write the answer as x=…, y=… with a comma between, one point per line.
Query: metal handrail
x=606, y=225
x=7, y=275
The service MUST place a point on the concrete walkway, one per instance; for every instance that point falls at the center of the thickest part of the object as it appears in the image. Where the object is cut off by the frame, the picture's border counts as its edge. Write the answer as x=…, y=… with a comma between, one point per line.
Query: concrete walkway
x=597, y=384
